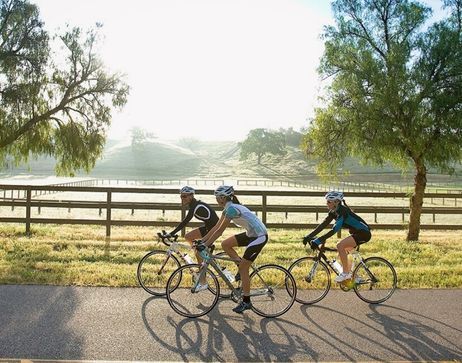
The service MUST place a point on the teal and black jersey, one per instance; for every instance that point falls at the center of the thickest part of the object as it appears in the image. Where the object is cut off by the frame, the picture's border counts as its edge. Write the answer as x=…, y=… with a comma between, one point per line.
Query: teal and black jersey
x=344, y=218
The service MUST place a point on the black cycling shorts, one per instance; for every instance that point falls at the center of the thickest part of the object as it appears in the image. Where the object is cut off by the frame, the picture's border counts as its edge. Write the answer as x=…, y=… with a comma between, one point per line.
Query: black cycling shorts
x=361, y=236
x=254, y=245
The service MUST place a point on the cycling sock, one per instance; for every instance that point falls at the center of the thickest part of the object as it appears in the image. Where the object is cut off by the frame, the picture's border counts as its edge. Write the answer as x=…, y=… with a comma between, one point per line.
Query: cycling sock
x=246, y=299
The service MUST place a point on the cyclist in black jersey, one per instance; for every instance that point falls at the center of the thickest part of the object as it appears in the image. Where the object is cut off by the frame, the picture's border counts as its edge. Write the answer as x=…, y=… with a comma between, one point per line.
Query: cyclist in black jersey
x=344, y=218
x=201, y=211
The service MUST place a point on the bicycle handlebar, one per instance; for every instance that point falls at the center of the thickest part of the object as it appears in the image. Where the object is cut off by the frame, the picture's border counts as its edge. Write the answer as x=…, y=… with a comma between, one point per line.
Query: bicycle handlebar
x=166, y=239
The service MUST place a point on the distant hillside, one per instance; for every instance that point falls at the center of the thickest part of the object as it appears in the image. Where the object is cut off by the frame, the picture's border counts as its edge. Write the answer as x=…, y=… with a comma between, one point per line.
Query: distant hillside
x=153, y=159
x=157, y=159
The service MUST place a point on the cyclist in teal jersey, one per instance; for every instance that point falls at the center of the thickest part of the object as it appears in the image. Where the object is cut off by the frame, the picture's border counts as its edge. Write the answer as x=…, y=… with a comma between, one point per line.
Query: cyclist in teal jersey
x=255, y=237
x=344, y=218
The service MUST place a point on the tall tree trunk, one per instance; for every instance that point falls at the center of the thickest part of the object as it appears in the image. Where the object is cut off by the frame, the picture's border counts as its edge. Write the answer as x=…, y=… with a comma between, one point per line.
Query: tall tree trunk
x=416, y=202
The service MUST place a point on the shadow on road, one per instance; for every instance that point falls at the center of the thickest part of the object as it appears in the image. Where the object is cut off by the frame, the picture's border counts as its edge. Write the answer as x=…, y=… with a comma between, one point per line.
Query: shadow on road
x=38, y=327
x=369, y=329
x=217, y=336
x=348, y=331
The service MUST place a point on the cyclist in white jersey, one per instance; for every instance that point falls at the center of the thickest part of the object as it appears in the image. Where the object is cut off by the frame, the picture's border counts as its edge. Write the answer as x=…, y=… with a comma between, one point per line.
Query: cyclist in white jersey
x=255, y=237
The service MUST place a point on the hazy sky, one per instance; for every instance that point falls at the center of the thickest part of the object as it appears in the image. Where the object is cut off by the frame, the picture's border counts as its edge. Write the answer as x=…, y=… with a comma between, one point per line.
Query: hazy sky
x=210, y=69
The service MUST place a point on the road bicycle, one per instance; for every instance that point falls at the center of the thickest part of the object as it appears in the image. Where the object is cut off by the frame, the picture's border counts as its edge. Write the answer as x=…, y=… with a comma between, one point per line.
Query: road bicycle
x=273, y=287
x=374, y=279
x=156, y=266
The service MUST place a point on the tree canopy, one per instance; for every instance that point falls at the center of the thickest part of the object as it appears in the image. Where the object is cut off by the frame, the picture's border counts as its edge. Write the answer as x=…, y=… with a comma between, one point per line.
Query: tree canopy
x=394, y=91
x=56, y=97
x=261, y=142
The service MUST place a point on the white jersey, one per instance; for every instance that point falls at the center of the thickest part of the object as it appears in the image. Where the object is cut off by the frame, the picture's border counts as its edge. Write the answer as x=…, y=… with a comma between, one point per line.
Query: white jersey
x=245, y=218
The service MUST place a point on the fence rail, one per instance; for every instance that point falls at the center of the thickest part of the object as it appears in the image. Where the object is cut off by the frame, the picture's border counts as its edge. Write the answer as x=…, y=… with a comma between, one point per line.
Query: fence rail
x=108, y=205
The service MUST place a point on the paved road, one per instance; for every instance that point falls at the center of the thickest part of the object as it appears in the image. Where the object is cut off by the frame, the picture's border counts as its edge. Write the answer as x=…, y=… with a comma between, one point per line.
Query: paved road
x=86, y=323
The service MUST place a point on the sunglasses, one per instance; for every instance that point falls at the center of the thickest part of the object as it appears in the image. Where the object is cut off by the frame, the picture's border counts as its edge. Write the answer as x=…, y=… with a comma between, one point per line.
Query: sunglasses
x=184, y=196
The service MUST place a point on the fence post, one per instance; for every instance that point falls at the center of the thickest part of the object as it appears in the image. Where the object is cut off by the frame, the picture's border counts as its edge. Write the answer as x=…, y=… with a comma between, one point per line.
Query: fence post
x=263, y=213
x=183, y=214
x=29, y=196
x=108, y=214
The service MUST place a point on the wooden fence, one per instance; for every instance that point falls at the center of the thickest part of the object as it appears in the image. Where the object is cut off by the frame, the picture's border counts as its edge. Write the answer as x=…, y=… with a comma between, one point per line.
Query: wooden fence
x=26, y=196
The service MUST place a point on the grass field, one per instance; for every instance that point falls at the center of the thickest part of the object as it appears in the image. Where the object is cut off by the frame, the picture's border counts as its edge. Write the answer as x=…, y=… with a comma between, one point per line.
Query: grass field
x=81, y=255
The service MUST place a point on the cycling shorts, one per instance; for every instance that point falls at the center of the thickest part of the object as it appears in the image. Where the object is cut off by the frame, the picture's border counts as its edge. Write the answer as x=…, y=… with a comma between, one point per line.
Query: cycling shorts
x=361, y=236
x=254, y=245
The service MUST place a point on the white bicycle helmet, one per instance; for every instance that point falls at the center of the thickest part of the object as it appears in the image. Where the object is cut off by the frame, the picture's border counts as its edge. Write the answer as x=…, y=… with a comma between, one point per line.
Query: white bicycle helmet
x=187, y=190
x=333, y=195
x=224, y=191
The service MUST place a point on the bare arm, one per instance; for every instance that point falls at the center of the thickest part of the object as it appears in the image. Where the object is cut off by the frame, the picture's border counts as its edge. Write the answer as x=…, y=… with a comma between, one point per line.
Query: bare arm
x=216, y=231
x=214, y=228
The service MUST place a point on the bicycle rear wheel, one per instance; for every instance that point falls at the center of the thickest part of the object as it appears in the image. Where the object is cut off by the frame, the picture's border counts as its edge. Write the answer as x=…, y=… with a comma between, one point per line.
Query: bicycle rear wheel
x=312, y=277
x=154, y=269
x=375, y=280
x=183, y=300
x=273, y=290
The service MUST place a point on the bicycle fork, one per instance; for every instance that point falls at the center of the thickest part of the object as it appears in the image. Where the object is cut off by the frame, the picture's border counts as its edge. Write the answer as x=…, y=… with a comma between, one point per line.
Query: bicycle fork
x=312, y=273
x=161, y=269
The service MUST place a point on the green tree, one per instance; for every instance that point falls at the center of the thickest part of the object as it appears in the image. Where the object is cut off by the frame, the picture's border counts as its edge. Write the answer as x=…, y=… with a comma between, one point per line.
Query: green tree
x=55, y=102
x=292, y=137
x=394, y=93
x=261, y=142
x=139, y=136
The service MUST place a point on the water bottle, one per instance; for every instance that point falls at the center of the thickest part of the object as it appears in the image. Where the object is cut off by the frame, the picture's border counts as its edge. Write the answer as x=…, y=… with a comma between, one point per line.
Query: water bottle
x=337, y=266
x=228, y=274
x=188, y=259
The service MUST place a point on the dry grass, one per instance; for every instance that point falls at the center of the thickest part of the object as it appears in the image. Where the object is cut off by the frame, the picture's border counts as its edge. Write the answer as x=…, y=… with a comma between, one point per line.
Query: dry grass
x=81, y=255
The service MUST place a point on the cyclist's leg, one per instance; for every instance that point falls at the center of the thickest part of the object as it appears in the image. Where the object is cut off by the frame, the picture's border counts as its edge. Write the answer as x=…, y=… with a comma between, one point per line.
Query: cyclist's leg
x=228, y=246
x=244, y=267
x=352, y=241
x=343, y=247
x=254, y=247
x=193, y=235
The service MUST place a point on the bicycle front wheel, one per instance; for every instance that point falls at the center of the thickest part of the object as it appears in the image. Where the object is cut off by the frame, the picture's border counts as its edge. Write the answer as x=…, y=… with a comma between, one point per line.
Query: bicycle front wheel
x=273, y=290
x=312, y=277
x=181, y=297
x=154, y=269
x=375, y=280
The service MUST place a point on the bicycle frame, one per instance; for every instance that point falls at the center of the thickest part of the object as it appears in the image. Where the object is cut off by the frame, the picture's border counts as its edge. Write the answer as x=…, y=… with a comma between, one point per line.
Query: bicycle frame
x=373, y=279
x=210, y=260
x=173, y=247
x=357, y=259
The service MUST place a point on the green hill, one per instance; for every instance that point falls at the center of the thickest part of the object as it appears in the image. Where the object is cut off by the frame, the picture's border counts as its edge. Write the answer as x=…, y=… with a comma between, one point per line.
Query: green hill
x=147, y=160
x=157, y=160
x=120, y=160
